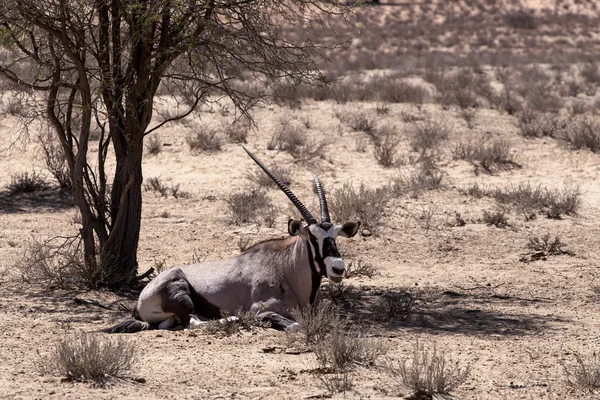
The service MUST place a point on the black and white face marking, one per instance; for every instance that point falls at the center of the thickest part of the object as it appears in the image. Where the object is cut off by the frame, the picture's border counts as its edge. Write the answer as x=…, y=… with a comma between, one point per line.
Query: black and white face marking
x=324, y=249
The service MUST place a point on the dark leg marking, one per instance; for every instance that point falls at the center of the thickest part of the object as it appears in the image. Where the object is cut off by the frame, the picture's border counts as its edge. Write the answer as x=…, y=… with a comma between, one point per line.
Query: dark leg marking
x=277, y=321
x=182, y=300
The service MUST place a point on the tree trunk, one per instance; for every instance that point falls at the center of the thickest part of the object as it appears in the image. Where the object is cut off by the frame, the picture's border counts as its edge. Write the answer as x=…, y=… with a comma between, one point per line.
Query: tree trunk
x=119, y=255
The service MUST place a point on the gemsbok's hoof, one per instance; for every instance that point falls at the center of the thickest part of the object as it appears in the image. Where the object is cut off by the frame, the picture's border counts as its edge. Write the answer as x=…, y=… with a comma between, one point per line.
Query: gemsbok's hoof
x=292, y=328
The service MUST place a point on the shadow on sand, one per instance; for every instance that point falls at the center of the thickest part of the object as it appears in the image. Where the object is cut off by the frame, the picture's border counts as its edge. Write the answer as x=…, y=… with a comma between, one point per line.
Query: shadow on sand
x=44, y=200
x=389, y=310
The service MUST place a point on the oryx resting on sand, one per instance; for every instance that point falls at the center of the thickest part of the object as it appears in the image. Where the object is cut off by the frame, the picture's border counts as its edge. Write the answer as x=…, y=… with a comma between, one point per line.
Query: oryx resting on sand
x=269, y=279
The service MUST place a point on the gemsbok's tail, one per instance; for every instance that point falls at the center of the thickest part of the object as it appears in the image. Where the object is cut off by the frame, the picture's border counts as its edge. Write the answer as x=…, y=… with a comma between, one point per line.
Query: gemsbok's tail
x=129, y=326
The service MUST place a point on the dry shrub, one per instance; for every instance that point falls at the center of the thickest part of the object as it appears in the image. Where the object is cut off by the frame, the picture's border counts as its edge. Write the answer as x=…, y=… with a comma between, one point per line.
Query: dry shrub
x=382, y=108
x=428, y=372
x=334, y=382
x=386, y=145
x=506, y=101
x=205, y=139
x=359, y=120
x=584, y=133
x=360, y=269
x=547, y=245
x=230, y=325
x=462, y=88
x=244, y=242
x=55, y=160
x=26, y=182
x=93, y=358
x=312, y=149
x=428, y=135
x=237, y=132
x=468, y=114
x=497, y=218
x=287, y=137
x=396, y=91
x=364, y=204
x=57, y=262
x=489, y=155
x=396, y=306
x=427, y=177
x=154, y=145
x=534, y=124
x=585, y=374
x=346, y=348
x=344, y=294
x=527, y=198
x=263, y=180
x=248, y=206
x=316, y=322
x=155, y=184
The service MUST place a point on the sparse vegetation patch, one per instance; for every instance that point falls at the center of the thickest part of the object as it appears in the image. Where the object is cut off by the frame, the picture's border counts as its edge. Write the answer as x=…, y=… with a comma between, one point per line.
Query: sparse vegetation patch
x=428, y=372
x=585, y=374
x=93, y=358
x=486, y=155
x=26, y=182
x=364, y=204
x=554, y=203
x=248, y=206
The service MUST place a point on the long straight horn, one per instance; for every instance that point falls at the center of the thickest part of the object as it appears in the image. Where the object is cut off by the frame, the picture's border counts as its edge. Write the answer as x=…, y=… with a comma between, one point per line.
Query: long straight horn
x=308, y=217
x=322, y=200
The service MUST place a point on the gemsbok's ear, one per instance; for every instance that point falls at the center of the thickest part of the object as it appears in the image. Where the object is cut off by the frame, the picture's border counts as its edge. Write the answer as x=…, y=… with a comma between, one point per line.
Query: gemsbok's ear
x=349, y=229
x=294, y=227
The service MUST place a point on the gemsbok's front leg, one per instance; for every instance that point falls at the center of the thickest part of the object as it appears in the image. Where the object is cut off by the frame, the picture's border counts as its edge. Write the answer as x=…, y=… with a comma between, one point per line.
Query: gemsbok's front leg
x=279, y=322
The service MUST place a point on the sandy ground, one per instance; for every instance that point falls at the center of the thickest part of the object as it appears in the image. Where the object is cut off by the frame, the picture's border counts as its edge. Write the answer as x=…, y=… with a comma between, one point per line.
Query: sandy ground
x=515, y=322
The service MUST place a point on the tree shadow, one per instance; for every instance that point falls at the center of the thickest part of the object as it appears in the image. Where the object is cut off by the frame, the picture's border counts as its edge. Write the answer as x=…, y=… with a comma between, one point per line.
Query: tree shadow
x=389, y=310
x=71, y=305
x=49, y=200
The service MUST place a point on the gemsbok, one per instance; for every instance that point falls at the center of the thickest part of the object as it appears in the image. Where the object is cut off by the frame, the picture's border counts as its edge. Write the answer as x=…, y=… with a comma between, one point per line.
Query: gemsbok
x=270, y=278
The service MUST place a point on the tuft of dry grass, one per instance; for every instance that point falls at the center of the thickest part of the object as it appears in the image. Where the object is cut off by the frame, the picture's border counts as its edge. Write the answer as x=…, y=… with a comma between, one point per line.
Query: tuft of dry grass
x=386, y=145
x=93, y=358
x=26, y=182
x=396, y=306
x=345, y=349
x=585, y=374
x=264, y=181
x=486, y=155
x=247, y=206
x=334, y=382
x=58, y=263
x=426, y=177
x=584, y=133
x=360, y=269
x=237, y=132
x=229, y=325
x=155, y=184
x=287, y=137
x=359, y=120
x=428, y=135
x=55, y=160
x=428, y=372
x=547, y=245
x=315, y=322
x=534, y=124
x=366, y=205
x=554, y=203
x=154, y=145
x=497, y=218
x=205, y=139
